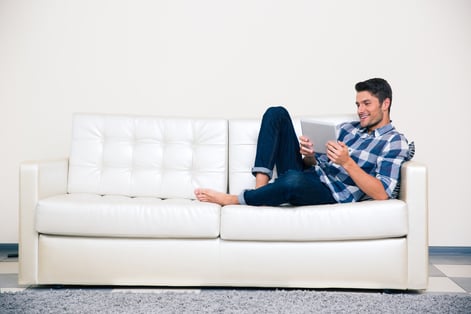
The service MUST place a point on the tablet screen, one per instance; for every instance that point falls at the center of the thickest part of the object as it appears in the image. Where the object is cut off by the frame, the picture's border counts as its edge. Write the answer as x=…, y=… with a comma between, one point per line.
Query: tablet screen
x=319, y=133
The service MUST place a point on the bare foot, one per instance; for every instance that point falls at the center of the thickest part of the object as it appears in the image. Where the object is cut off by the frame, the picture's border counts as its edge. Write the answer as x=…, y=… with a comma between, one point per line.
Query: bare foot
x=211, y=196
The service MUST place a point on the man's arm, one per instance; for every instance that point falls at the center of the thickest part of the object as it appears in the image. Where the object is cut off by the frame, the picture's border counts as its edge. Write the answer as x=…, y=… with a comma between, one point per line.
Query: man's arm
x=371, y=186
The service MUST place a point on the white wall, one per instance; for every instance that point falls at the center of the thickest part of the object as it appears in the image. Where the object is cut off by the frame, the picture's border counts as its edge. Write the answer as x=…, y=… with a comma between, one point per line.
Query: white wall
x=228, y=58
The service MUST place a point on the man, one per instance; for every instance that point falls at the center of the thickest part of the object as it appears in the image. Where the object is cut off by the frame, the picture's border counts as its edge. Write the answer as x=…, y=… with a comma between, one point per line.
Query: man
x=364, y=163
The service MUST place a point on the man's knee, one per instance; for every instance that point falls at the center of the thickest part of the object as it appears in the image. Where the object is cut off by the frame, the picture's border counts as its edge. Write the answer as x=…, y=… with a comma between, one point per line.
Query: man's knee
x=276, y=111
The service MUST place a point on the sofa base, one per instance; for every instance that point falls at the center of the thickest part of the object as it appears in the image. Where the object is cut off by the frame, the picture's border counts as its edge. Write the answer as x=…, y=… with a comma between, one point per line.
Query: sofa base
x=369, y=264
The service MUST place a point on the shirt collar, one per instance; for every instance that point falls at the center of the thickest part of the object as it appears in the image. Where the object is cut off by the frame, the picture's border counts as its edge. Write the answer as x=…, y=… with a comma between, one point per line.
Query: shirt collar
x=379, y=131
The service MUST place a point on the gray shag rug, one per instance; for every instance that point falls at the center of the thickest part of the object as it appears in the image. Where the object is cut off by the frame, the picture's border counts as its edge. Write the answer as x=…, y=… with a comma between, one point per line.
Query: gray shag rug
x=228, y=301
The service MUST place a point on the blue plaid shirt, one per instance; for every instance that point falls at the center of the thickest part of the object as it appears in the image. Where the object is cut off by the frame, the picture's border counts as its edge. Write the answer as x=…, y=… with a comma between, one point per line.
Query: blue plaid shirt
x=379, y=154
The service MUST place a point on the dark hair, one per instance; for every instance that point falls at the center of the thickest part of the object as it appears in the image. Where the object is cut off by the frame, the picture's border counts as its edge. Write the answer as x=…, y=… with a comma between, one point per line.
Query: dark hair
x=378, y=87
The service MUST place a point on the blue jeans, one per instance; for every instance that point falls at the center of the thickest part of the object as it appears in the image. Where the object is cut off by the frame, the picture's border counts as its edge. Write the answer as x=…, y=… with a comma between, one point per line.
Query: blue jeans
x=278, y=146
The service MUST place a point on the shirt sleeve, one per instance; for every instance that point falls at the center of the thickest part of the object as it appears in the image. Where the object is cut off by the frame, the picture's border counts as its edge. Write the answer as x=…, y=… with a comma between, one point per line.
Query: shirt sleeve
x=389, y=163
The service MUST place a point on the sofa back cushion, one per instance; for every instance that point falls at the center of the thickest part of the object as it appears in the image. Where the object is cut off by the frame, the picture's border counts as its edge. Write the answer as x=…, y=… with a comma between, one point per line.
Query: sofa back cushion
x=147, y=156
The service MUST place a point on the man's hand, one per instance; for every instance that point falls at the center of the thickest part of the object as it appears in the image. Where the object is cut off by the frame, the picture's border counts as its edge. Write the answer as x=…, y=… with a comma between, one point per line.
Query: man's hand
x=338, y=152
x=306, y=148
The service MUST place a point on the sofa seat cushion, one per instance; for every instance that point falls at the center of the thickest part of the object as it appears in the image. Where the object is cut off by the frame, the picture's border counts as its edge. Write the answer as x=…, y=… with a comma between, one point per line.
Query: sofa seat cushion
x=354, y=221
x=121, y=216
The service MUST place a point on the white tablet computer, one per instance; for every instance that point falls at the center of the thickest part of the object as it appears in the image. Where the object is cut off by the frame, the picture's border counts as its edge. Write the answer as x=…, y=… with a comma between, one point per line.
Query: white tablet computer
x=319, y=132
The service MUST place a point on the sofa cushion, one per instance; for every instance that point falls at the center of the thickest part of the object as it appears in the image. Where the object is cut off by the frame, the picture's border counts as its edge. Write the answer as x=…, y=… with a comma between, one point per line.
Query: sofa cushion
x=121, y=216
x=147, y=156
x=354, y=221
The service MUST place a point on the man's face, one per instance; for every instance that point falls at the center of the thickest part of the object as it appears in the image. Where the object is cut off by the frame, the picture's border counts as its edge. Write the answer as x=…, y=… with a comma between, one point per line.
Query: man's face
x=372, y=114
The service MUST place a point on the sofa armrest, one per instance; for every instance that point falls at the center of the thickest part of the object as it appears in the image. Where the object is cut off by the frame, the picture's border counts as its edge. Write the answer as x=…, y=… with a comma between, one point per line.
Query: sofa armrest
x=38, y=179
x=414, y=191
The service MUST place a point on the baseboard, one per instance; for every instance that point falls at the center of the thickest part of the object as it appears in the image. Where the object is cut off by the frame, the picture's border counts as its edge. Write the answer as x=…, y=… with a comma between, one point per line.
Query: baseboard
x=10, y=248
x=449, y=250
x=433, y=250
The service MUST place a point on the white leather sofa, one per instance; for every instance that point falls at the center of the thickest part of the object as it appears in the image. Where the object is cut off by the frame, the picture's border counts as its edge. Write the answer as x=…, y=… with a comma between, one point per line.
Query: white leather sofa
x=121, y=211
